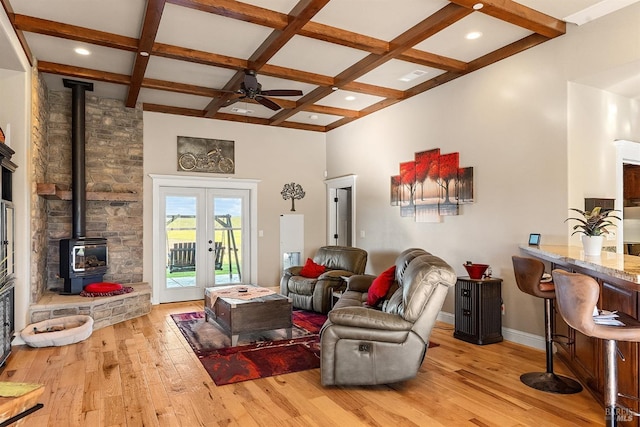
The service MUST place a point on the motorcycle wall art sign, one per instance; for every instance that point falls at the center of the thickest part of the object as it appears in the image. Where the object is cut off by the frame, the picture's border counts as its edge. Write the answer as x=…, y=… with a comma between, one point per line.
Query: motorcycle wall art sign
x=206, y=155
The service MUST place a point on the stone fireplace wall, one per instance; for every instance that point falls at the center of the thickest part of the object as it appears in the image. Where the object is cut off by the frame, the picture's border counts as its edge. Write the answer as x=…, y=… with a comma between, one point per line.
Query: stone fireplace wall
x=113, y=165
x=39, y=160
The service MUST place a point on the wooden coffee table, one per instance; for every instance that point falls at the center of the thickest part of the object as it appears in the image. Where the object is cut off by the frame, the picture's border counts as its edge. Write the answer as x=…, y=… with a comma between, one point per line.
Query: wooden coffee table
x=237, y=316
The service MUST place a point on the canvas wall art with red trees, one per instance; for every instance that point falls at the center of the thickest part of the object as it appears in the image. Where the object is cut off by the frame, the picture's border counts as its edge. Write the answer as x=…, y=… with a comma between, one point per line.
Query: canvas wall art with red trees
x=431, y=186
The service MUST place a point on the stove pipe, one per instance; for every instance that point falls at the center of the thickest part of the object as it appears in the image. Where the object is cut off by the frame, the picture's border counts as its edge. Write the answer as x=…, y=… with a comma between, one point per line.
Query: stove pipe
x=78, y=178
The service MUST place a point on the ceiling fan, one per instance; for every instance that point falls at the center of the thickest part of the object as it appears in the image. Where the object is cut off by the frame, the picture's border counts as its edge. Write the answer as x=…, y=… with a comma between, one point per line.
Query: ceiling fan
x=250, y=88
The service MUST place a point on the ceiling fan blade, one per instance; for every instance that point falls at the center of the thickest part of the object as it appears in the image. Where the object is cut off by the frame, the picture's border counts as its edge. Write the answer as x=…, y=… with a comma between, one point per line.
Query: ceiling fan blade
x=267, y=103
x=281, y=92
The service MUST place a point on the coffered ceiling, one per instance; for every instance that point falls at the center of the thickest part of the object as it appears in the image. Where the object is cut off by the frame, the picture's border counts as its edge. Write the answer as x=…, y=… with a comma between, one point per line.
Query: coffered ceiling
x=349, y=58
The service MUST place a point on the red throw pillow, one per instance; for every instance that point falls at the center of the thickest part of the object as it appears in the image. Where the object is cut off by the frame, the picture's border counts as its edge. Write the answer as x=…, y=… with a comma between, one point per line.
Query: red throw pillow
x=312, y=270
x=102, y=287
x=380, y=286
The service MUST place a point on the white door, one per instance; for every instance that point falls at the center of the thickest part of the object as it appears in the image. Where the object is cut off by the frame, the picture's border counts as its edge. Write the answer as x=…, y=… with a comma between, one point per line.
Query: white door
x=205, y=238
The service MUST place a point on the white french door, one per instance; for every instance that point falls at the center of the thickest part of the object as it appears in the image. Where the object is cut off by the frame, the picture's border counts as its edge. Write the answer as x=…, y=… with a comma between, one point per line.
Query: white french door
x=205, y=239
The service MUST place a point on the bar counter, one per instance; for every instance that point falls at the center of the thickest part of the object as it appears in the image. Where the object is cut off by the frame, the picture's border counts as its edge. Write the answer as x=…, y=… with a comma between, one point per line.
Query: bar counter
x=610, y=264
x=619, y=279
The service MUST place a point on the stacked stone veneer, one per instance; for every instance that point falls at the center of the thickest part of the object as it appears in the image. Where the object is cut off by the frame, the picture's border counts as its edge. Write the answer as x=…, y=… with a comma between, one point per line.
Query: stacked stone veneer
x=113, y=164
x=39, y=161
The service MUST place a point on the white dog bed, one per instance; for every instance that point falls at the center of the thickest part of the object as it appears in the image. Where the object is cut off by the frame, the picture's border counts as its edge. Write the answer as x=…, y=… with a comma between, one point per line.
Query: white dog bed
x=75, y=329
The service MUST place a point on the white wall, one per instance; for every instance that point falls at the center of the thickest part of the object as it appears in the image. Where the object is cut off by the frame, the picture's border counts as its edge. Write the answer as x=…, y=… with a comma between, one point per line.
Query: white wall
x=510, y=123
x=598, y=118
x=15, y=111
x=275, y=156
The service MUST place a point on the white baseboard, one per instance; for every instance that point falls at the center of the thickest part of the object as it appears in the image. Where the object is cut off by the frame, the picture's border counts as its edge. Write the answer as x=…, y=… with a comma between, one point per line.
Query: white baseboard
x=513, y=335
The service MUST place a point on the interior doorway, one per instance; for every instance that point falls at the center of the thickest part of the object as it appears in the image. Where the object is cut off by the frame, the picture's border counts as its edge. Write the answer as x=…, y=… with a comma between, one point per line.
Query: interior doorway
x=627, y=157
x=341, y=210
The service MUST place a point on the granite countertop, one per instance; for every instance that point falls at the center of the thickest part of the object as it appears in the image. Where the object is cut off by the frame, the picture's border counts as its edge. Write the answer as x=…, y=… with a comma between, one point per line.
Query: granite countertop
x=625, y=267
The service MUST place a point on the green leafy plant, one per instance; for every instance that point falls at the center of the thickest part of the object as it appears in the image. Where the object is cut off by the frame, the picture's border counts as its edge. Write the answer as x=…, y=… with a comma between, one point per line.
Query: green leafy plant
x=593, y=223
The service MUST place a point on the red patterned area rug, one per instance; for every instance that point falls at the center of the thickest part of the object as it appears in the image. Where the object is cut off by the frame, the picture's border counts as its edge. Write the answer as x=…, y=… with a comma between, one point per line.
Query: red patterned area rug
x=257, y=355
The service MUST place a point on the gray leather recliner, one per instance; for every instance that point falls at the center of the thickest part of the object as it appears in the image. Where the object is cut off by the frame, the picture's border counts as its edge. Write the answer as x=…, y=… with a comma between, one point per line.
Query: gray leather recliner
x=315, y=294
x=365, y=346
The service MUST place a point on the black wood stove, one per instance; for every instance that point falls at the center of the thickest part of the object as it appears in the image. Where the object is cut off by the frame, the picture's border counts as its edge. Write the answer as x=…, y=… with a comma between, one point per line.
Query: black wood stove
x=83, y=260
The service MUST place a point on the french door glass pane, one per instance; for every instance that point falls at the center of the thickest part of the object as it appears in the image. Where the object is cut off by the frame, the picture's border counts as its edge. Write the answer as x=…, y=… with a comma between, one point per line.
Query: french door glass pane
x=181, y=241
x=228, y=233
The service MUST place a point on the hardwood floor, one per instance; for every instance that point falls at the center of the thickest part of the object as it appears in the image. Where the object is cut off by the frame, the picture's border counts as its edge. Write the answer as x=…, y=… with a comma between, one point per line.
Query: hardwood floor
x=143, y=373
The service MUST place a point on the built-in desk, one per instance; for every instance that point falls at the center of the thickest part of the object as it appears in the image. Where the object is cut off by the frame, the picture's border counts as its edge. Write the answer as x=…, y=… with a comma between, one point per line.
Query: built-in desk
x=619, y=279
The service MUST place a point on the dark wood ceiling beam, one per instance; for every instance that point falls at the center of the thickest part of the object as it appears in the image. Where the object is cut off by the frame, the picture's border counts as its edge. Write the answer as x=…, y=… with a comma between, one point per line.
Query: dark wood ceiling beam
x=344, y=38
x=198, y=57
x=150, y=25
x=178, y=111
x=519, y=15
x=303, y=126
x=238, y=10
x=431, y=83
x=297, y=75
x=75, y=33
x=83, y=73
x=506, y=51
x=432, y=60
x=368, y=89
x=333, y=111
x=241, y=118
x=180, y=88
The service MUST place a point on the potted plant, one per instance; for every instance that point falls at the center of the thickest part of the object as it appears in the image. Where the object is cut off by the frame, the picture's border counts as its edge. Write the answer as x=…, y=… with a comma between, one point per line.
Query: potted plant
x=593, y=226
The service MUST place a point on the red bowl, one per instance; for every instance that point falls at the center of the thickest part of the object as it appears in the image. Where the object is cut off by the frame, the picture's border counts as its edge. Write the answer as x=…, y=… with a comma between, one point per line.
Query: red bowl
x=476, y=271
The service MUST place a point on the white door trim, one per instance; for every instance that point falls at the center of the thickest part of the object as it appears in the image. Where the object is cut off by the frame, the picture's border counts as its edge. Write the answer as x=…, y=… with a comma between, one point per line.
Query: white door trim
x=332, y=185
x=201, y=182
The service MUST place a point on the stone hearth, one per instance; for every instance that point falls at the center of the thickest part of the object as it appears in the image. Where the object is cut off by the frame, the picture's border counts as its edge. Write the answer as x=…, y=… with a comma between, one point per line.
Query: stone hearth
x=105, y=311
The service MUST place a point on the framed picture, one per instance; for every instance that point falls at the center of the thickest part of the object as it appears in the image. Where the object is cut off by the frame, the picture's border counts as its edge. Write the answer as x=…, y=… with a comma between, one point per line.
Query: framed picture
x=206, y=155
x=534, y=240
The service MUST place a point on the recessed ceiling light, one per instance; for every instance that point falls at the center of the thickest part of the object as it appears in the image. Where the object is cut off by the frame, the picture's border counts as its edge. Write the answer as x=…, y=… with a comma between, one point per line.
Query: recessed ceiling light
x=350, y=98
x=81, y=51
x=478, y=6
x=413, y=75
x=313, y=117
x=334, y=88
x=143, y=53
x=473, y=35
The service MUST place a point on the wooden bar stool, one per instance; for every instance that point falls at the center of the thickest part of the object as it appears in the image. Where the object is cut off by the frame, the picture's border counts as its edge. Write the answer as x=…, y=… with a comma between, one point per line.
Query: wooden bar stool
x=528, y=273
x=577, y=297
